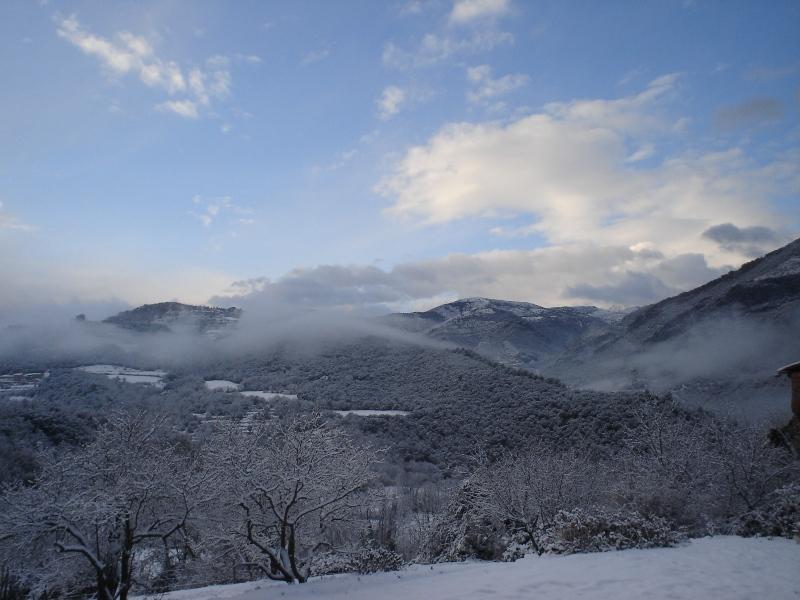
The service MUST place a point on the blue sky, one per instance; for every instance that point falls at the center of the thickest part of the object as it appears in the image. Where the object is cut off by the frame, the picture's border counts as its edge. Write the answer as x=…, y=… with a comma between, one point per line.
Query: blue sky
x=392, y=155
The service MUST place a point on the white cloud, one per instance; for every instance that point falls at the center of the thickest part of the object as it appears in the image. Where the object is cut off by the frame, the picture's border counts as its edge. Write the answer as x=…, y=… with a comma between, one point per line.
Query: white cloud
x=128, y=53
x=466, y=11
x=252, y=59
x=184, y=108
x=209, y=210
x=486, y=89
x=435, y=48
x=9, y=221
x=642, y=153
x=39, y=283
x=315, y=56
x=412, y=7
x=390, y=101
x=570, y=169
x=630, y=114
x=555, y=276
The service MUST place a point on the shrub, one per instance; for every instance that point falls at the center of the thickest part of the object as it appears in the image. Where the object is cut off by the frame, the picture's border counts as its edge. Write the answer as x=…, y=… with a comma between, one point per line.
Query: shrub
x=778, y=517
x=372, y=559
x=599, y=530
x=375, y=560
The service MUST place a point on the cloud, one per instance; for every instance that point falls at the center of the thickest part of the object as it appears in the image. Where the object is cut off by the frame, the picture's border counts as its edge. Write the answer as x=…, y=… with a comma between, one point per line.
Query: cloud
x=757, y=111
x=633, y=289
x=435, y=48
x=750, y=241
x=183, y=108
x=210, y=209
x=252, y=59
x=412, y=7
x=468, y=11
x=642, y=153
x=36, y=287
x=485, y=88
x=630, y=114
x=573, y=171
x=553, y=276
x=390, y=101
x=9, y=221
x=567, y=169
x=315, y=56
x=127, y=53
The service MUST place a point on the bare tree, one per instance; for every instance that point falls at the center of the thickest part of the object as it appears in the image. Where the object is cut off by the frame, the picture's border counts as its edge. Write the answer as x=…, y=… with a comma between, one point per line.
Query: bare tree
x=665, y=468
x=101, y=509
x=525, y=492
x=751, y=467
x=286, y=484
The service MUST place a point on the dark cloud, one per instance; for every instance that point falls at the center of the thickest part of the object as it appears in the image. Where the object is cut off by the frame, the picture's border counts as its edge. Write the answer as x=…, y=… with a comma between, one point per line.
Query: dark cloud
x=750, y=241
x=551, y=276
x=758, y=111
x=634, y=289
x=331, y=286
x=686, y=271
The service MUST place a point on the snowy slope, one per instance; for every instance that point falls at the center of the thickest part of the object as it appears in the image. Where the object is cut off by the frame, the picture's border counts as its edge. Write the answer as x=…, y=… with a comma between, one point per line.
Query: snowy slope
x=728, y=568
x=515, y=333
x=174, y=316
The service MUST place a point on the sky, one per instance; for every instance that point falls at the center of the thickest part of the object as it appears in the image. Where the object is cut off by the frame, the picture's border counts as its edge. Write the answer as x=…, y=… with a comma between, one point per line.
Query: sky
x=374, y=156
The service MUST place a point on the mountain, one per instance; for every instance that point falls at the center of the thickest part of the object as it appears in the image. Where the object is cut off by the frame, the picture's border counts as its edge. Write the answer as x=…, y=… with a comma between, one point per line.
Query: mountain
x=514, y=333
x=717, y=346
x=766, y=288
x=174, y=316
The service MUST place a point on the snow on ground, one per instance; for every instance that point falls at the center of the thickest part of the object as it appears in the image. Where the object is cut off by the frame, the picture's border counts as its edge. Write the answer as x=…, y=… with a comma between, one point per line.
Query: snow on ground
x=724, y=567
x=372, y=413
x=269, y=395
x=21, y=382
x=127, y=374
x=222, y=385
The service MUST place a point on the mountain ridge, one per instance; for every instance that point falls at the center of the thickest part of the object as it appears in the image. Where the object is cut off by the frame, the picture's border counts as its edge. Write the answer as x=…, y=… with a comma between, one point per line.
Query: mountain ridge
x=172, y=316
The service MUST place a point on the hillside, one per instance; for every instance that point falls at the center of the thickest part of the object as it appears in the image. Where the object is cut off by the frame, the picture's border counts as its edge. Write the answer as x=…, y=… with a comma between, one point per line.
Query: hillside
x=174, y=316
x=767, y=288
x=514, y=333
x=456, y=399
x=717, y=345
x=718, y=567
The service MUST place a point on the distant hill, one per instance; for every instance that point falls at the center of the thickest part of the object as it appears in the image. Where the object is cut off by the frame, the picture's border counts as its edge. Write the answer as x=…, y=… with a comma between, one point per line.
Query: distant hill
x=515, y=333
x=717, y=346
x=766, y=288
x=174, y=316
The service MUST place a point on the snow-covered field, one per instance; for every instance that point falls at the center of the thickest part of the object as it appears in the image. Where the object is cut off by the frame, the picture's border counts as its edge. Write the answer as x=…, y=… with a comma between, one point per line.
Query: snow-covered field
x=725, y=568
x=21, y=382
x=127, y=374
x=372, y=413
x=268, y=395
x=221, y=385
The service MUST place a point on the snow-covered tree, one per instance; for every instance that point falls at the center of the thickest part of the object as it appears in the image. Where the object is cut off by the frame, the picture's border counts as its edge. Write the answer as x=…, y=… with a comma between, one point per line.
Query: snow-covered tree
x=525, y=492
x=665, y=468
x=284, y=486
x=750, y=466
x=92, y=515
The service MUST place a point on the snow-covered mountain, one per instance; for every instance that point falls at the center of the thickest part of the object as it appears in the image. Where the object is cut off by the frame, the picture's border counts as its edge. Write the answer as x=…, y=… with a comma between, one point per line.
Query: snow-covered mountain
x=717, y=345
x=515, y=333
x=174, y=316
x=766, y=288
